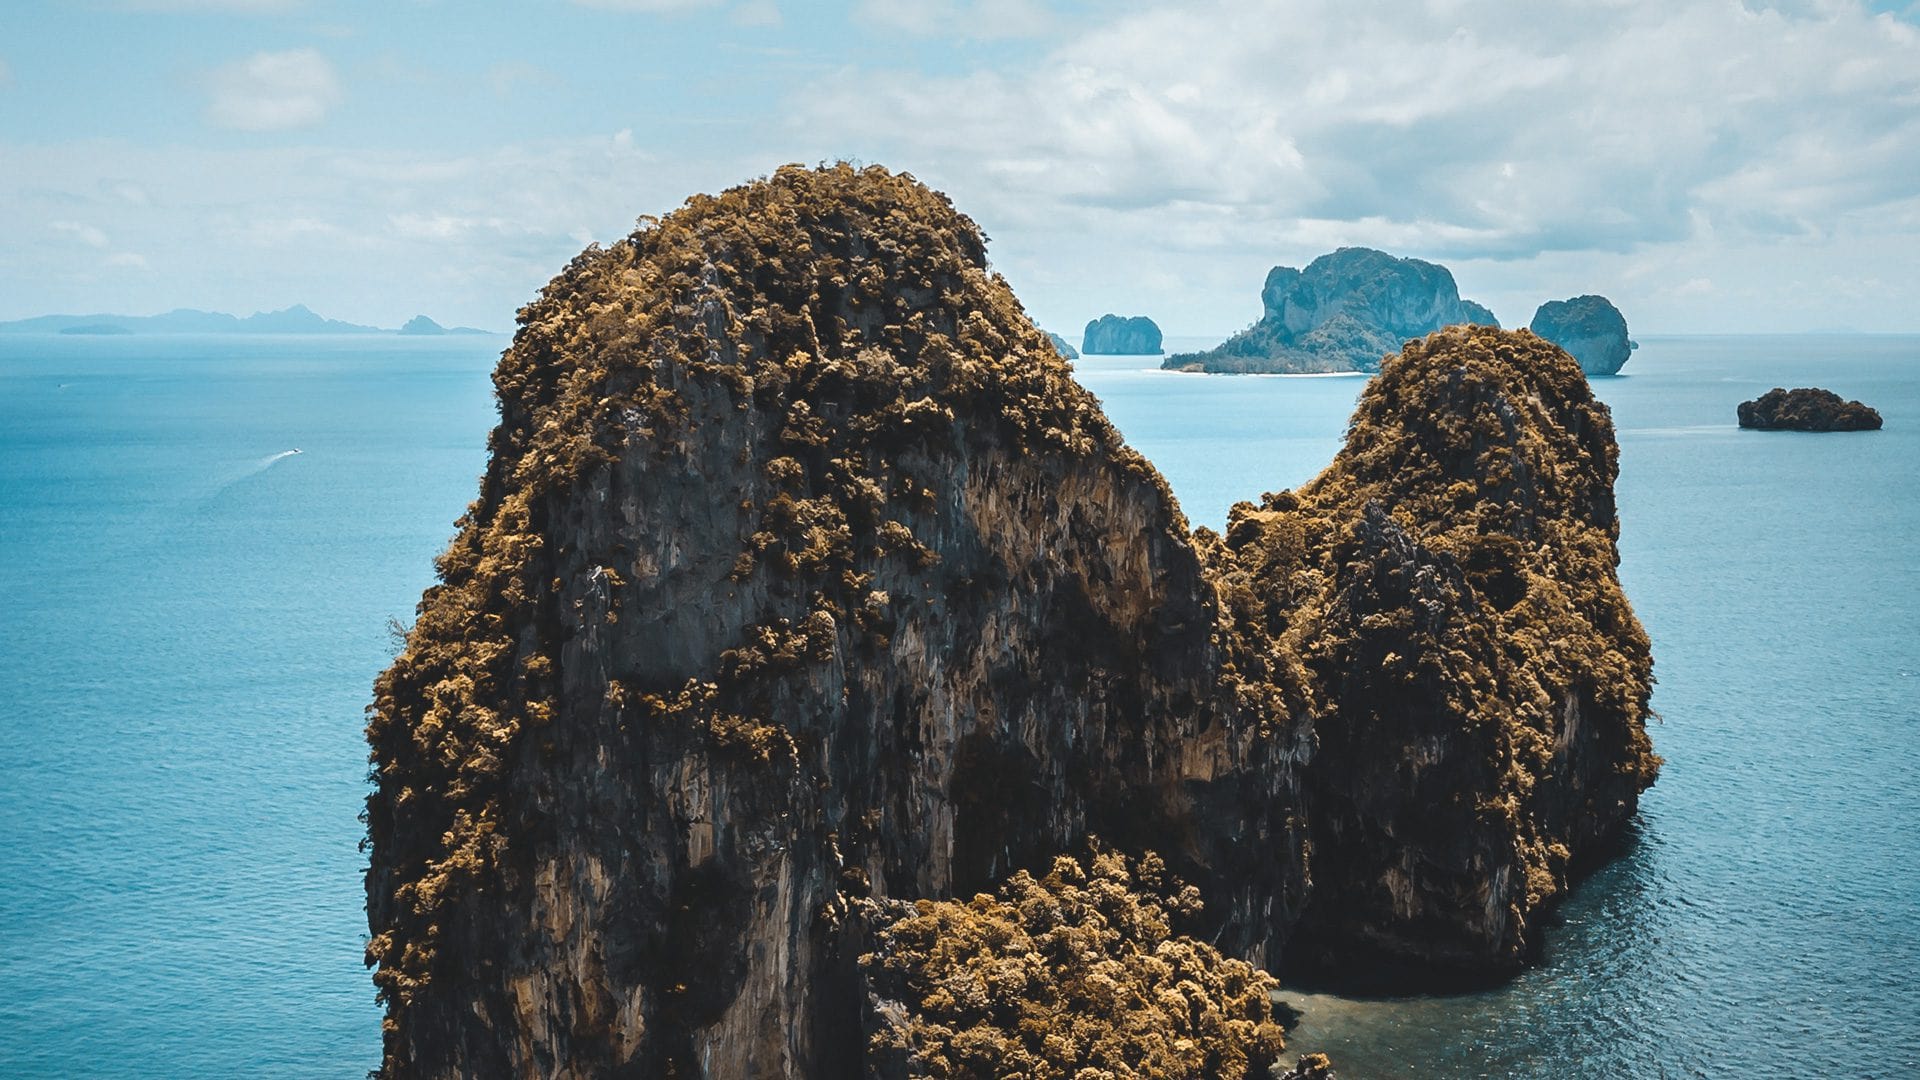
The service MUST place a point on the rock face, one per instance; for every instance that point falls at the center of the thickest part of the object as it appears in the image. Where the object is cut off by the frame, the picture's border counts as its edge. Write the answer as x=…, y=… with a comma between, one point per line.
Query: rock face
x=802, y=569
x=1588, y=327
x=1478, y=680
x=1066, y=348
x=804, y=582
x=1344, y=312
x=1807, y=409
x=1115, y=335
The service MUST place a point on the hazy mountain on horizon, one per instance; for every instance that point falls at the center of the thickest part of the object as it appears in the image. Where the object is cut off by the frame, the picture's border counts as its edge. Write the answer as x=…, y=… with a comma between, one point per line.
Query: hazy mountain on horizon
x=298, y=319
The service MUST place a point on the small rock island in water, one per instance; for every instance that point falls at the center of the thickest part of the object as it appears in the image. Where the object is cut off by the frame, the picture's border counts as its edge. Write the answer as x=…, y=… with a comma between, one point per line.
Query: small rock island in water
x=1588, y=327
x=812, y=623
x=1807, y=409
x=1344, y=312
x=1066, y=347
x=1114, y=335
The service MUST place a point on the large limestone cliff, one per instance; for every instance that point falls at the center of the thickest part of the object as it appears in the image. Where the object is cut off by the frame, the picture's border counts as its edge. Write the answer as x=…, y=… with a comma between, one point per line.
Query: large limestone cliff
x=805, y=585
x=803, y=570
x=1344, y=312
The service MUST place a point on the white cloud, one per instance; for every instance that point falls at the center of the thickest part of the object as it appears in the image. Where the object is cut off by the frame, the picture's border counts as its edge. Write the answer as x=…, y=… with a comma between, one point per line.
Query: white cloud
x=127, y=260
x=1215, y=134
x=370, y=236
x=1160, y=162
x=274, y=91
x=1503, y=134
x=86, y=234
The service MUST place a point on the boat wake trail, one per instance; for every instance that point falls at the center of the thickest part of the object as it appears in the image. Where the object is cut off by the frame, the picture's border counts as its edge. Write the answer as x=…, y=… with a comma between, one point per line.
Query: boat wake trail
x=252, y=470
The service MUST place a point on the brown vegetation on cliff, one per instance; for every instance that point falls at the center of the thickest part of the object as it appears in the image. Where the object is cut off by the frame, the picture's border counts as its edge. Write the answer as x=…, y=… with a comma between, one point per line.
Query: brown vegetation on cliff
x=1074, y=975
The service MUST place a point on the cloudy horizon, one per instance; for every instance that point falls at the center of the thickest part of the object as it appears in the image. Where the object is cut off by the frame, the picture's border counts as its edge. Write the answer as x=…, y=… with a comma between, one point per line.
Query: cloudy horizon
x=1711, y=166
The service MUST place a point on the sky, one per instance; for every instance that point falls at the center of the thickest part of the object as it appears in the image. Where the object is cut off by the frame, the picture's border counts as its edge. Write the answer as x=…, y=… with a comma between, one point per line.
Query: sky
x=1710, y=165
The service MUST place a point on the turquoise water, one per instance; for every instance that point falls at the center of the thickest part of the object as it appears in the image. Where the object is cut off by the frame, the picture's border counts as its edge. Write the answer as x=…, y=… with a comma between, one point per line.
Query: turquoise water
x=195, y=617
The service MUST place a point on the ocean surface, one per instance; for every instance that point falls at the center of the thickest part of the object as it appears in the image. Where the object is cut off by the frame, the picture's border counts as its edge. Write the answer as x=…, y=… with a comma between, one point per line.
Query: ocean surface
x=195, y=614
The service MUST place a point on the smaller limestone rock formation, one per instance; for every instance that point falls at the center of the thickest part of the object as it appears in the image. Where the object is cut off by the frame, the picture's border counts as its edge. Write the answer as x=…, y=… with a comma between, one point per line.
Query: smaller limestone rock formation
x=1447, y=588
x=1807, y=409
x=1114, y=335
x=1590, y=329
x=1066, y=348
x=1344, y=312
x=421, y=326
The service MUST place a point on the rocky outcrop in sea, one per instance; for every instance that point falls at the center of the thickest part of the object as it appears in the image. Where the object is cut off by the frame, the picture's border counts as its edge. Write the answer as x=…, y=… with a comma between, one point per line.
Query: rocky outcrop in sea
x=1807, y=409
x=1066, y=347
x=1344, y=312
x=807, y=596
x=1588, y=327
x=1121, y=336
x=1477, y=680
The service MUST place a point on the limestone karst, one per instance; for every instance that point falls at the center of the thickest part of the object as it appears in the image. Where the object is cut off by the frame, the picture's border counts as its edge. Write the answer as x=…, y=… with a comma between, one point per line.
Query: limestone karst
x=1344, y=312
x=1119, y=335
x=805, y=583
x=1588, y=327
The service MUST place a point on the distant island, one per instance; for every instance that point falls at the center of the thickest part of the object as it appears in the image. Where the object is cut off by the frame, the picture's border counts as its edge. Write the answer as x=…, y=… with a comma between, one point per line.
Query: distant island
x=421, y=326
x=1807, y=409
x=1066, y=348
x=1116, y=335
x=298, y=319
x=1590, y=329
x=1344, y=312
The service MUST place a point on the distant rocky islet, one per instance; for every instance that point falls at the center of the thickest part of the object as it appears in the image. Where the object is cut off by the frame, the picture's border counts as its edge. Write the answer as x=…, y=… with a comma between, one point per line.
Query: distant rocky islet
x=1344, y=312
x=1588, y=327
x=1807, y=409
x=1116, y=335
x=1349, y=309
x=298, y=319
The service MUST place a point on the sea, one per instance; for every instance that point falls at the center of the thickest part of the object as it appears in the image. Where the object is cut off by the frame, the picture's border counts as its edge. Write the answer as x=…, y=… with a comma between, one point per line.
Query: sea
x=204, y=543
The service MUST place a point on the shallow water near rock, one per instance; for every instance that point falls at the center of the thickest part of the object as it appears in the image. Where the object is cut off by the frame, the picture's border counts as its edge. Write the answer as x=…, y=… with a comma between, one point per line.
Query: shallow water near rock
x=198, y=614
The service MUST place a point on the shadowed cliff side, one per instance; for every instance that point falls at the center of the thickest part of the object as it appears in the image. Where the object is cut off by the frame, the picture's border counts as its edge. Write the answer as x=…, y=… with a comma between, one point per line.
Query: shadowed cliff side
x=802, y=571
x=1479, y=682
